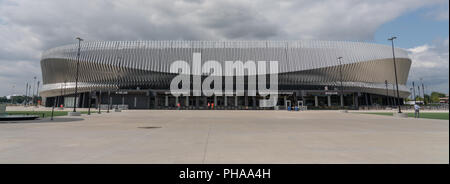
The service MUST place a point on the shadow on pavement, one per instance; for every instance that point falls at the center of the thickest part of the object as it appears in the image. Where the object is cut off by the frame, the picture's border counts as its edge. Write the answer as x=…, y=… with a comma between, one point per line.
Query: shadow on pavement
x=46, y=120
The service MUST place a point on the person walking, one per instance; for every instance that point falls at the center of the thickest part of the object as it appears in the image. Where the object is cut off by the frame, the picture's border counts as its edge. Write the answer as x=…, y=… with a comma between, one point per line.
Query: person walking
x=416, y=110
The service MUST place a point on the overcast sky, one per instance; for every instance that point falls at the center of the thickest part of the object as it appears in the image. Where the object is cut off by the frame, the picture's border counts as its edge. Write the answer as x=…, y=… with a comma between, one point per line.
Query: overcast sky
x=28, y=27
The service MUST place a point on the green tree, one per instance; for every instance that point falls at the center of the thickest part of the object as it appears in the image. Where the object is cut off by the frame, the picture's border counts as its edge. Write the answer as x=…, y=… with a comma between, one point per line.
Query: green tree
x=418, y=98
x=3, y=99
x=427, y=99
x=435, y=96
x=18, y=99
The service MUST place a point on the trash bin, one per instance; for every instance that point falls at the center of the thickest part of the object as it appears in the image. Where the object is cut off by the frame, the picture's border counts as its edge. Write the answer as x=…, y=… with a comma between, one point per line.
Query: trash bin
x=289, y=108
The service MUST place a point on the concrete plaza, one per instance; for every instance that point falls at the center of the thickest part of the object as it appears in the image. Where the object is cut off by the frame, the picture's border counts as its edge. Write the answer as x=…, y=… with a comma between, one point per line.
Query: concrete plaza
x=159, y=136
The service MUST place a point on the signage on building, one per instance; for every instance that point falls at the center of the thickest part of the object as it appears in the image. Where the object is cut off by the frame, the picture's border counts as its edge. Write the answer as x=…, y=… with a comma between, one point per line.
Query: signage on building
x=331, y=93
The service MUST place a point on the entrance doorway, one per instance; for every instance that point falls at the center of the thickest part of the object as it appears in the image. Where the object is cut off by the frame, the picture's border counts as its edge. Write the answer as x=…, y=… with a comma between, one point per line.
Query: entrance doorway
x=288, y=104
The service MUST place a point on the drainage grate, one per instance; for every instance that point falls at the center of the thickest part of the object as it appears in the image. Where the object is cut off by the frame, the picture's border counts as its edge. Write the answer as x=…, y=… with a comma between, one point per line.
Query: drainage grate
x=149, y=127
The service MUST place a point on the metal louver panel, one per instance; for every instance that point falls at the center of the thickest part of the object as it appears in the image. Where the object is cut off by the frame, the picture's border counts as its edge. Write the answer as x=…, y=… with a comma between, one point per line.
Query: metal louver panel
x=146, y=64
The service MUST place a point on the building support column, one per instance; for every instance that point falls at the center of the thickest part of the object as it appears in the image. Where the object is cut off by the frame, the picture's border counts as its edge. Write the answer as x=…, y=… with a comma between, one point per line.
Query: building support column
x=156, y=100
x=236, y=101
x=215, y=101
x=342, y=100
x=166, y=101
x=367, y=100
x=353, y=99
x=82, y=102
x=99, y=102
x=285, y=102
x=149, y=100
x=316, y=101
x=176, y=101
x=329, y=100
x=295, y=102
x=254, y=102
x=197, y=101
x=187, y=101
x=246, y=100
x=225, y=102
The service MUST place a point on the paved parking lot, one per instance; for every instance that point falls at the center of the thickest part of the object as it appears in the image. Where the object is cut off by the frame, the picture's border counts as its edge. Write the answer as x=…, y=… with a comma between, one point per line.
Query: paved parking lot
x=226, y=137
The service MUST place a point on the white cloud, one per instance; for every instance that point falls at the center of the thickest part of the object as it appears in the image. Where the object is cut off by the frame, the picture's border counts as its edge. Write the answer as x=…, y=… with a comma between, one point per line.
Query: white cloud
x=440, y=13
x=27, y=27
x=431, y=63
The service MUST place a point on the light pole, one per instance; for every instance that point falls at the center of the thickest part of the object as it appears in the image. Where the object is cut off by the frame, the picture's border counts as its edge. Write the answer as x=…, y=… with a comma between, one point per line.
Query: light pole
x=418, y=91
x=64, y=94
x=423, y=90
x=342, y=86
x=61, y=97
x=119, y=63
x=26, y=95
x=34, y=87
x=109, y=100
x=76, y=77
x=99, y=101
x=410, y=90
x=29, y=93
x=56, y=99
x=387, y=92
x=37, y=92
x=395, y=71
x=414, y=93
x=37, y=88
x=89, y=102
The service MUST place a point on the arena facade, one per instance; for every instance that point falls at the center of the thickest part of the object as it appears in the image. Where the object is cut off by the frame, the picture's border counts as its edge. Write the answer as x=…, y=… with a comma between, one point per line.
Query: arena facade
x=137, y=75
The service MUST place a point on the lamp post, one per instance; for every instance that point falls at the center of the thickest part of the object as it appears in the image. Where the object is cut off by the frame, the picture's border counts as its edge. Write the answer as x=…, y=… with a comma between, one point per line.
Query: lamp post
x=26, y=95
x=37, y=92
x=89, y=102
x=57, y=99
x=34, y=87
x=29, y=93
x=414, y=93
x=387, y=92
x=410, y=90
x=418, y=91
x=61, y=97
x=109, y=101
x=395, y=71
x=342, y=86
x=423, y=90
x=76, y=77
x=119, y=63
x=64, y=93
x=99, y=101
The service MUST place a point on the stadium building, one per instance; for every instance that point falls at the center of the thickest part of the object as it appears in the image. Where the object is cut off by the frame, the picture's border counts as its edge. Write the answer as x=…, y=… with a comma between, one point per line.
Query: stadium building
x=137, y=74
